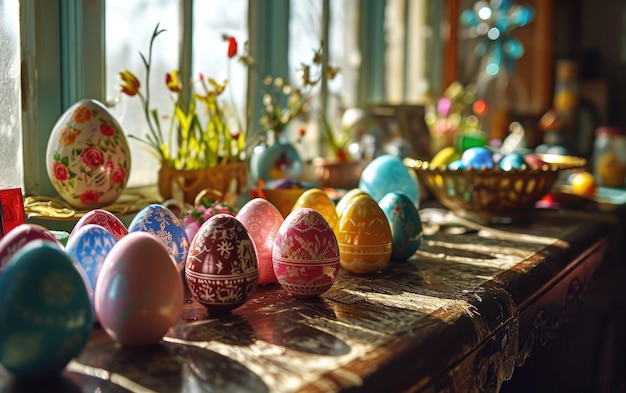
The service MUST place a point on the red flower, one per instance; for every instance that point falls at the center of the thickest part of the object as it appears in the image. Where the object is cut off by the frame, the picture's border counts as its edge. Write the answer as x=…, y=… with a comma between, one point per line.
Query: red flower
x=92, y=156
x=232, y=47
x=60, y=171
x=108, y=167
x=107, y=129
x=89, y=197
x=301, y=132
x=119, y=175
x=131, y=83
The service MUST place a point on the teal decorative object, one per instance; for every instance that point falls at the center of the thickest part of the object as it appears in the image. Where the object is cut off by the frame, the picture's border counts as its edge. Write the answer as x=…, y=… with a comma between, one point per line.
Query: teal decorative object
x=493, y=22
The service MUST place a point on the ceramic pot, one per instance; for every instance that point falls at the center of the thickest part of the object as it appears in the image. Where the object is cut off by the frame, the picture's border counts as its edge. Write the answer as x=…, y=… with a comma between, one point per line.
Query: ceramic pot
x=274, y=159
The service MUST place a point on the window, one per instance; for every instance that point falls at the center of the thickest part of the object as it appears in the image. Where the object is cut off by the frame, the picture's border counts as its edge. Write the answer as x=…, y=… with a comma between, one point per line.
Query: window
x=10, y=119
x=69, y=62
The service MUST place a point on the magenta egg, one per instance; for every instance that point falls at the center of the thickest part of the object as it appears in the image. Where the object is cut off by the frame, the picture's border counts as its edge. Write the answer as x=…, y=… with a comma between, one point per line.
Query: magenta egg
x=103, y=218
x=222, y=271
x=15, y=240
x=262, y=220
x=305, y=255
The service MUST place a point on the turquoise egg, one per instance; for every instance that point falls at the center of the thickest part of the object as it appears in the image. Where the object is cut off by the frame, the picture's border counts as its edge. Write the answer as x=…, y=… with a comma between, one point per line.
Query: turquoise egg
x=512, y=162
x=45, y=312
x=405, y=223
x=387, y=173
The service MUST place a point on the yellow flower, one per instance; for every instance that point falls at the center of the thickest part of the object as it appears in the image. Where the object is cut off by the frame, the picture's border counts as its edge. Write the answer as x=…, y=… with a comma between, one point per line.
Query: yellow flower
x=173, y=82
x=130, y=85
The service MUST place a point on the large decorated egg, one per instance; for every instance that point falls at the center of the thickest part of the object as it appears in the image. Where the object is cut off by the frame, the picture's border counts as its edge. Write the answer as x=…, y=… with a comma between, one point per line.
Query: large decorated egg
x=103, y=218
x=405, y=223
x=19, y=236
x=222, y=270
x=364, y=236
x=161, y=222
x=305, y=254
x=87, y=157
x=262, y=220
x=387, y=173
x=45, y=313
x=139, y=294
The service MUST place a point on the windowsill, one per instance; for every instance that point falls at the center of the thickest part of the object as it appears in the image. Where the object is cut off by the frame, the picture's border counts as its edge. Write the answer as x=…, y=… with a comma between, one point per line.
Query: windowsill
x=55, y=214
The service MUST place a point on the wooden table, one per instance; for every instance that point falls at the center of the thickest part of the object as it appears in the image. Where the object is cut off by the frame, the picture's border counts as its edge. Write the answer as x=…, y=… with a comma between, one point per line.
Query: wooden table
x=460, y=316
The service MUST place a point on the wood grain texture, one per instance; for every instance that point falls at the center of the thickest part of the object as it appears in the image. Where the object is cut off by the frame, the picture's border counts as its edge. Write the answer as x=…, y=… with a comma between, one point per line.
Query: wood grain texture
x=458, y=316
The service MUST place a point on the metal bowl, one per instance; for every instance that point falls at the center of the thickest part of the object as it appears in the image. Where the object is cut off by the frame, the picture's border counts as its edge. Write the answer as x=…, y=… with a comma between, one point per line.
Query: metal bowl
x=488, y=195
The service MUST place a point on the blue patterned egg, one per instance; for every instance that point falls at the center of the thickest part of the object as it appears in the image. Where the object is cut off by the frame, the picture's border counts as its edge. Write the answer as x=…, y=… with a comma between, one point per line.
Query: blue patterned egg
x=163, y=223
x=45, y=314
x=405, y=224
x=89, y=246
x=387, y=173
x=512, y=162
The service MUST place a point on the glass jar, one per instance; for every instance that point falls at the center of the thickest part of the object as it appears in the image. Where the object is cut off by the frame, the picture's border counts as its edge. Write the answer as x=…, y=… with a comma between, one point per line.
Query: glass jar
x=609, y=156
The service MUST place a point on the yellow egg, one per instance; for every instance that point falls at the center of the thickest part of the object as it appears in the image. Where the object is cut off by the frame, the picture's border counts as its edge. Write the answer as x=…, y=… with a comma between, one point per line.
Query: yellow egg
x=319, y=201
x=345, y=199
x=445, y=156
x=364, y=236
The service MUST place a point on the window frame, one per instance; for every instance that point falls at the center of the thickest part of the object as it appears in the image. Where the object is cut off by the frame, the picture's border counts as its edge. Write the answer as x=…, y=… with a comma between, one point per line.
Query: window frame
x=55, y=76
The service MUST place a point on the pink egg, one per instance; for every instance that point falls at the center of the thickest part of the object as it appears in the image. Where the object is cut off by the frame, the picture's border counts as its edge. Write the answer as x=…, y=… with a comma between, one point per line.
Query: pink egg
x=262, y=220
x=305, y=255
x=13, y=241
x=222, y=270
x=105, y=219
x=139, y=294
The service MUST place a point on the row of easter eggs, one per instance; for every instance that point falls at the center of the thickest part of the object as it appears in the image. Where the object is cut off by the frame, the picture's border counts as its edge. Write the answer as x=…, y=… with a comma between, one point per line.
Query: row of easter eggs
x=127, y=279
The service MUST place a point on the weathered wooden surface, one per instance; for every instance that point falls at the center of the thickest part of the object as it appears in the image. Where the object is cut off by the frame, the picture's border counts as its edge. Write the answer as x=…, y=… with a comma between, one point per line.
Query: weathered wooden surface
x=458, y=316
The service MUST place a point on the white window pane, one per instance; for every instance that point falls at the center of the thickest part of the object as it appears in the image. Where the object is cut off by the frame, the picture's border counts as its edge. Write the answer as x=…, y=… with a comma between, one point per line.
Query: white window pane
x=129, y=26
x=11, y=168
x=212, y=19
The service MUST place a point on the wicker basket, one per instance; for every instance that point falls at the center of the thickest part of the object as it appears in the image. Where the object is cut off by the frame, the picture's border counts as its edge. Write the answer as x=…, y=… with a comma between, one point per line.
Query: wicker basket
x=488, y=195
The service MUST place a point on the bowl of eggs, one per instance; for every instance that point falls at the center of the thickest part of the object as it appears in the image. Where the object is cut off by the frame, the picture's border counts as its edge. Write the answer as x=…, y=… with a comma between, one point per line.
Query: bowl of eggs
x=486, y=186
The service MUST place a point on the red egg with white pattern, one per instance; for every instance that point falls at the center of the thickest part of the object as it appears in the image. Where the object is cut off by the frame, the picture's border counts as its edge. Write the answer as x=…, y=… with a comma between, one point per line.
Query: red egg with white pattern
x=305, y=255
x=17, y=238
x=222, y=271
x=103, y=218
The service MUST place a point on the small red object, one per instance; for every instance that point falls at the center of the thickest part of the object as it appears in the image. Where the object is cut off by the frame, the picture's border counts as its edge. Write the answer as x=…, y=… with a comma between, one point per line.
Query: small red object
x=11, y=208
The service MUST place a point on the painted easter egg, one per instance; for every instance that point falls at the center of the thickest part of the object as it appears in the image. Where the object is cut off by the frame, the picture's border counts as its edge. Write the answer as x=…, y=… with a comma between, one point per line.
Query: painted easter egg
x=346, y=198
x=89, y=247
x=161, y=222
x=319, y=201
x=364, y=236
x=305, y=254
x=387, y=173
x=103, y=218
x=19, y=236
x=87, y=157
x=405, y=224
x=222, y=270
x=478, y=157
x=139, y=294
x=45, y=312
x=262, y=220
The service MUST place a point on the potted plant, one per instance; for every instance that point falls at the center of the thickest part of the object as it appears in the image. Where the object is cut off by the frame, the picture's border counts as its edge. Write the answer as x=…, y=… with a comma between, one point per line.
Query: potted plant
x=199, y=150
x=338, y=169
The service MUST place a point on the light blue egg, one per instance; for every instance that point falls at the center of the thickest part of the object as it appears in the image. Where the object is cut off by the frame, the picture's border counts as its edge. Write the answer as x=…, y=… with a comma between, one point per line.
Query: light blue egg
x=45, y=313
x=88, y=247
x=163, y=223
x=387, y=173
x=405, y=223
x=477, y=158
